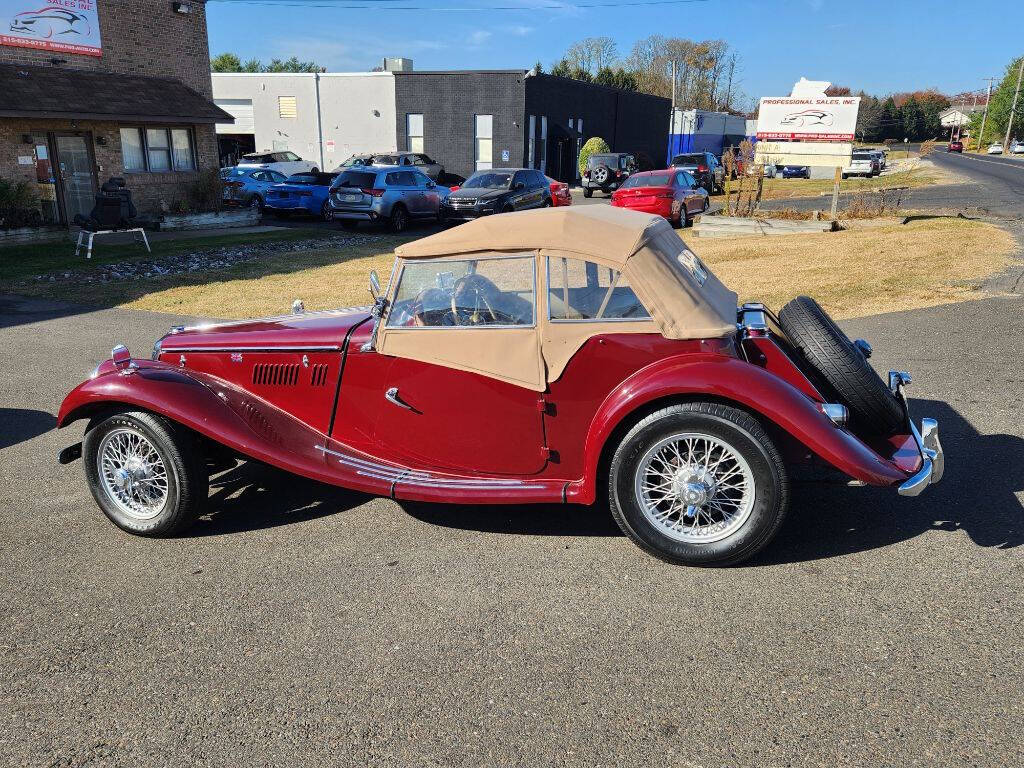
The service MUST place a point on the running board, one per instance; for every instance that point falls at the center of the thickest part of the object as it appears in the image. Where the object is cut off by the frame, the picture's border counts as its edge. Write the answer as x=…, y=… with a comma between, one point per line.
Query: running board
x=400, y=482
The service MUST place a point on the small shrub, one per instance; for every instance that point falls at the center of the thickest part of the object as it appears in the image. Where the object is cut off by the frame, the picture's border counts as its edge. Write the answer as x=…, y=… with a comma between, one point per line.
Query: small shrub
x=205, y=194
x=593, y=146
x=19, y=205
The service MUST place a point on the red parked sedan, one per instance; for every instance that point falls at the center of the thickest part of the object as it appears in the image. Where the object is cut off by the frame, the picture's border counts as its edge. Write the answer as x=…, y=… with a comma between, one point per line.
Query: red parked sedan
x=559, y=192
x=671, y=193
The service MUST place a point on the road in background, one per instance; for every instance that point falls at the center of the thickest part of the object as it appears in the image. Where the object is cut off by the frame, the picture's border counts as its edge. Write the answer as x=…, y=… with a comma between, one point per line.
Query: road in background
x=300, y=624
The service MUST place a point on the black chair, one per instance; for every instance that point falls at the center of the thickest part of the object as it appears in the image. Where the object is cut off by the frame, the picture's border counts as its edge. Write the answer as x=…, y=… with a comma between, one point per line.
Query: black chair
x=113, y=212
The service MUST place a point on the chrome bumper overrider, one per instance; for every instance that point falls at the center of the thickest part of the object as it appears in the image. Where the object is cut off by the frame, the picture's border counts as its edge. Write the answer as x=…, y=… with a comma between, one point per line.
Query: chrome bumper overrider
x=933, y=463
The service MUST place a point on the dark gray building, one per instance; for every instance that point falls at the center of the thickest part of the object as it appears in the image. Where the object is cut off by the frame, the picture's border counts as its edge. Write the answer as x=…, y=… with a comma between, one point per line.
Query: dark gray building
x=512, y=118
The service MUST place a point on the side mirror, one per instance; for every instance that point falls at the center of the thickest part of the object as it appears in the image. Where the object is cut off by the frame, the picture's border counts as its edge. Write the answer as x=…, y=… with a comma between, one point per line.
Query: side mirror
x=431, y=185
x=374, y=284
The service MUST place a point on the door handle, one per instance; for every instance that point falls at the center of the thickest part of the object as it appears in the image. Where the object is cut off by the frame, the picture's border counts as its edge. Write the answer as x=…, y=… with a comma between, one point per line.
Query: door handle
x=392, y=397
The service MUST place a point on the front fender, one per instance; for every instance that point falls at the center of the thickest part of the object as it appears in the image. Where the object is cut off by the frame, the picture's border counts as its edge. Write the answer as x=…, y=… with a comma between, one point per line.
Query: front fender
x=728, y=378
x=205, y=404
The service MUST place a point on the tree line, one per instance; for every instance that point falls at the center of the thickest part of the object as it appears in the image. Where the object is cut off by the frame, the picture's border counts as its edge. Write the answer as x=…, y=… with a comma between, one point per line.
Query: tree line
x=999, y=106
x=705, y=73
x=230, y=62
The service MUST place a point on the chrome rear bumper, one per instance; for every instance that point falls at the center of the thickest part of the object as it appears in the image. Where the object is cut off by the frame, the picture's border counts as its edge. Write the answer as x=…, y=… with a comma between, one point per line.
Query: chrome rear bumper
x=933, y=462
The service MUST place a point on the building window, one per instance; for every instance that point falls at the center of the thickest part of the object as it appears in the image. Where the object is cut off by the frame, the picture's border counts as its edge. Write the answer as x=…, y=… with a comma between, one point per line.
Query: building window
x=131, y=150
x=531, y=143
x=181, y=150
x=414, y=132
x=484, y=142
x=544, y=144
x=157, y=149
x=287, y=107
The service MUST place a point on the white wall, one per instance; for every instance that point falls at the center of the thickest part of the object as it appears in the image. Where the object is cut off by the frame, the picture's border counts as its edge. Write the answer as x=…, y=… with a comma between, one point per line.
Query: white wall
x=357, y=112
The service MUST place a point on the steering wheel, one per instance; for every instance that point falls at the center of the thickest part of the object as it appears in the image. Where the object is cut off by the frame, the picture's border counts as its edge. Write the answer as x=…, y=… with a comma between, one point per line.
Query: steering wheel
x=474, y=300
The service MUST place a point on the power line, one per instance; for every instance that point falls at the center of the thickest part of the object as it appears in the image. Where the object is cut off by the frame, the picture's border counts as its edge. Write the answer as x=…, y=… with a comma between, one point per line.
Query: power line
x=384, y=5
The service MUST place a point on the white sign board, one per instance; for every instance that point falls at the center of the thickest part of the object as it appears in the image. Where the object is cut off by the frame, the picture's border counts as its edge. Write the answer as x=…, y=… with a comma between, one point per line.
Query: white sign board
x=813, y=118
x=832, y=154
x=66, y=26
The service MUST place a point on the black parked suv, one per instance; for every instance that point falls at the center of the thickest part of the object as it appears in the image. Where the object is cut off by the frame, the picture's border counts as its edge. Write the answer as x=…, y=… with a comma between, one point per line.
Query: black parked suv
x=607, y=171
x=704, y=167
x=498, y=190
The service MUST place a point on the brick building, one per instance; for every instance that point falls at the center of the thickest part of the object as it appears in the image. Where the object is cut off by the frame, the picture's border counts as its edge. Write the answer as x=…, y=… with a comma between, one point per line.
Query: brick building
x=113, y=88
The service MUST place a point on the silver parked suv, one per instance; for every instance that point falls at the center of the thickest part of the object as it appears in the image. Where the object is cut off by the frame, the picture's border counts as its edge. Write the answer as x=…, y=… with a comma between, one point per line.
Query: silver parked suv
x=390, y=195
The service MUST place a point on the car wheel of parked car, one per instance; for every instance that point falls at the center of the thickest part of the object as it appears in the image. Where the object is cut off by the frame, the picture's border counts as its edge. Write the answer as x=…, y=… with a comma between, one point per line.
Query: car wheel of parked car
x=707, y=204
x=314, y=169
x=588, y=192
x=698, y=483
x=601, y=174
x=145, y=473
x=256, y=202
x=399, y=219
x=325, y=212
x=841, y=367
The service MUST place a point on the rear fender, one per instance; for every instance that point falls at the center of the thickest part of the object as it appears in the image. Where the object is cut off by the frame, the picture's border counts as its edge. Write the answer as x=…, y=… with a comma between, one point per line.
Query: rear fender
x=749, y=387
x=210, y=406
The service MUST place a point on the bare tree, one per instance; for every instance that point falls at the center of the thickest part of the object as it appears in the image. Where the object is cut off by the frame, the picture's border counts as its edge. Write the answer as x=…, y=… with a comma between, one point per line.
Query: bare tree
x=593, y=54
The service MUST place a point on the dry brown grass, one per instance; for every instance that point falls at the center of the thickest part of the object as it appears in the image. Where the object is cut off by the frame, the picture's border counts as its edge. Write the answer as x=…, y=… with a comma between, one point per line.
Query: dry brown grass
x=863, y=271
x=858, y=272
x=779, y=188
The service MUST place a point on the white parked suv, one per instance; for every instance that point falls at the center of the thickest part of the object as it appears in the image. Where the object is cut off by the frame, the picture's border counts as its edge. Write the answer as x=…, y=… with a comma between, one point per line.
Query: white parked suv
x=995, y=148
x=285, y=162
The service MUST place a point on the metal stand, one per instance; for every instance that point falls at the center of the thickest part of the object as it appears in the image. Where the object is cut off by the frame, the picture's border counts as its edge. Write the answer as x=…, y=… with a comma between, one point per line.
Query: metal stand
x=136, y=231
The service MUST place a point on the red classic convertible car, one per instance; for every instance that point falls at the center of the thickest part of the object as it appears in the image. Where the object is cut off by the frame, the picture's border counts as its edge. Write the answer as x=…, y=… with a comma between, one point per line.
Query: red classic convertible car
x=555, y=356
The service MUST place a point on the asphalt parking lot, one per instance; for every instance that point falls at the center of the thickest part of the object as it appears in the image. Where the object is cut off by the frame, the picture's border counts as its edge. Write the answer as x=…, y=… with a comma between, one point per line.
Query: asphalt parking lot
x=299, y=624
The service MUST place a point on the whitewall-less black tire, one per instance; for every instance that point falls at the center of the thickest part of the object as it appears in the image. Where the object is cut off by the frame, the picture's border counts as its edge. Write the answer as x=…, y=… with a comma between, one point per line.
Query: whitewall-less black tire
x=698, y=484
x=145, y=473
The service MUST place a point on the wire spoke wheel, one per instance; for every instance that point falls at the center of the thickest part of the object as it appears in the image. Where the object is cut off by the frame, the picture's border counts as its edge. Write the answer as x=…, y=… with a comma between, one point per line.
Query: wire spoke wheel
x=132, y=473
x=694, y=488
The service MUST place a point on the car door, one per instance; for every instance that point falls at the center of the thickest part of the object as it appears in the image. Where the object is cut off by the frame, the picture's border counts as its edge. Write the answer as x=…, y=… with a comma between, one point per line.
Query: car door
x=684, y=184
x=412, y=193
x=463, y=396
x=431, y=200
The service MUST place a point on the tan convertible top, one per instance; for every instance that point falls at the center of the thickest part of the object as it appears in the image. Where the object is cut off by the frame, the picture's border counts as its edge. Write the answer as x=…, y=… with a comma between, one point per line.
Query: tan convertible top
x=614, y=234
x=684, y=299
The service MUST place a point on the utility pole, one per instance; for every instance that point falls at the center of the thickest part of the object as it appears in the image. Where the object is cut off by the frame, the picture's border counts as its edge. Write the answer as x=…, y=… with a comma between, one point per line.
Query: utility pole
x=1013, y=109
x=984, y=117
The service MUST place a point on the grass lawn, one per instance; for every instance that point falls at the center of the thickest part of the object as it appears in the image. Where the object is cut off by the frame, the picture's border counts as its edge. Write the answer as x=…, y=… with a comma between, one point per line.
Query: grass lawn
x=863, y=271
x=852, y=273
x=778, y=187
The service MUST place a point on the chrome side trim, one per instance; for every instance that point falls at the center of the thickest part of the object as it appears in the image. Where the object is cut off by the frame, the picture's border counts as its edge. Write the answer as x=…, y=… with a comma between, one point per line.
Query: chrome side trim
x=330, y=348
x=395, y=474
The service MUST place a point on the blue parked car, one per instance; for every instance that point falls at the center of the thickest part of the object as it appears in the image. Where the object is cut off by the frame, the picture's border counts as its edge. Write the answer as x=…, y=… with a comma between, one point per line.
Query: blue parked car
x=249, y=186
x=796, y=172
x=302, y=193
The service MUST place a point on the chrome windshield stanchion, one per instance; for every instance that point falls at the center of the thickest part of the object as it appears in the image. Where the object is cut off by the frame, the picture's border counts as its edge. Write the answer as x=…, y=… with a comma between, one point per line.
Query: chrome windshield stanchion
x=933, y=462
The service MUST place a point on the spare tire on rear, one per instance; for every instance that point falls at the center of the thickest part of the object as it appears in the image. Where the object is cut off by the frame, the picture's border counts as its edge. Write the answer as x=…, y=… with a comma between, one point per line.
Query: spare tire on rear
x=841, y=368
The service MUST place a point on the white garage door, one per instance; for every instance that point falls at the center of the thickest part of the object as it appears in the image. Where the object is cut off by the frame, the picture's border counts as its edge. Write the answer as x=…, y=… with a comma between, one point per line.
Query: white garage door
x=241, y=110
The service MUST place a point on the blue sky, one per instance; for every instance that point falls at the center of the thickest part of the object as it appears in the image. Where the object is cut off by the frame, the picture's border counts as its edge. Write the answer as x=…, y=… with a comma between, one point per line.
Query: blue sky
x=912, y=46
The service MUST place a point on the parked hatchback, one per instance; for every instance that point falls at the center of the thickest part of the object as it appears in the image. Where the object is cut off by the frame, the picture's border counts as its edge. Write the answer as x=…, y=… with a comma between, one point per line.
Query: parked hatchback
x=704, y=167
x=248, y=186
x=393, y=196
x=499, y=190
x=673, y=194
x=606, y=171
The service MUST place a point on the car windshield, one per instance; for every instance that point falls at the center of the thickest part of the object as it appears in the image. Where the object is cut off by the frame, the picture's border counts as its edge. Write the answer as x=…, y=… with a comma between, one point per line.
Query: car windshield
x=257, y=159
x=596, y=160
x=693, y=159
x=356, y=160
x=358, y=179
x=861, y=156
x=384, y=160
x=648, y=180
x=315, y=179
x=231, y=173
x=488, y=180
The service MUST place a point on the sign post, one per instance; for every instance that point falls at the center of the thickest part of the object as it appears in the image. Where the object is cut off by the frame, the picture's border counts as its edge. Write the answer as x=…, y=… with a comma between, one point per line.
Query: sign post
x=835, y=192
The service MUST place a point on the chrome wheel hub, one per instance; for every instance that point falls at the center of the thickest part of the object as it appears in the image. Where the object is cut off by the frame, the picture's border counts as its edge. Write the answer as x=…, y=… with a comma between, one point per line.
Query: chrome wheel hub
x=694, y=488
x=132, y=473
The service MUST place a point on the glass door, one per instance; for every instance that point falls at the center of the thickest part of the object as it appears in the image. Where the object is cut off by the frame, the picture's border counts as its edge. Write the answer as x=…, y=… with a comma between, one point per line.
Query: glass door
x=76, y=174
